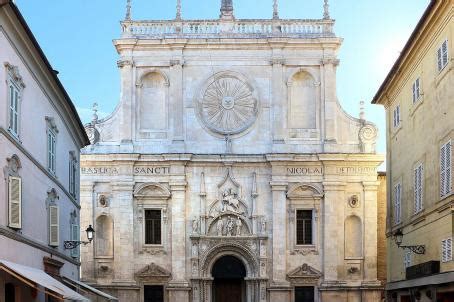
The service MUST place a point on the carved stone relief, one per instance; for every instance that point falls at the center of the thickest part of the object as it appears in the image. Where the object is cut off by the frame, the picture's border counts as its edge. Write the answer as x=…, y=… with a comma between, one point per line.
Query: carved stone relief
x=227, y=105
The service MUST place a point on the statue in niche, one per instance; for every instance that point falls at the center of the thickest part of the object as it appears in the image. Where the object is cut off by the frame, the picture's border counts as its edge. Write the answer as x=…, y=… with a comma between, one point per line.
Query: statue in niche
x=230, y=226
x=195, y=226
x=230, y=201
x=239, y=224
x=220, y=226
x=263, y=225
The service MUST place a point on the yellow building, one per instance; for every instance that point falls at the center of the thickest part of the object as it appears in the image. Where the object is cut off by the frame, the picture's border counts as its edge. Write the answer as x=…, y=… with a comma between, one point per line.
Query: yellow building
x=418, y=95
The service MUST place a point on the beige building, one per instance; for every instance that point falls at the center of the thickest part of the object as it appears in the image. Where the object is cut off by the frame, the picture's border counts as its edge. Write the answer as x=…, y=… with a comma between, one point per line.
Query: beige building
x=418, y=96
x=229, y=171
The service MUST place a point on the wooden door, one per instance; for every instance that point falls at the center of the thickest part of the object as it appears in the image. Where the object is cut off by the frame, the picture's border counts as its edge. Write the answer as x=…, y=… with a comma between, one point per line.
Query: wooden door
x=227, y=291
x=304, y=294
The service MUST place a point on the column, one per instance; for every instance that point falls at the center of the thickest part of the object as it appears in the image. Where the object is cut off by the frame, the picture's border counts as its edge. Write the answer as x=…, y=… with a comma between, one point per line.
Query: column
x=176, y=97
x=280, y=287
x=127, y=109
x=332, y=242
x=178, y=287
x=370, y=231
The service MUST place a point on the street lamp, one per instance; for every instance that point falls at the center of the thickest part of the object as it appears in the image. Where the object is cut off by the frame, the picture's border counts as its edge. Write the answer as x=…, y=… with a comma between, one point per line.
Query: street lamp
x=72, y=244
x=417, y=249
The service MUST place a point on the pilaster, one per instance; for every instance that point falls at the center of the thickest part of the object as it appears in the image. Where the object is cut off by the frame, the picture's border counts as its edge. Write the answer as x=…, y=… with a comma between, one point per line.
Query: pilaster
x=176, y=93
x=330, y=99
x=127, y=109
x=370, y=230
x=333, y=248
x=277, y=102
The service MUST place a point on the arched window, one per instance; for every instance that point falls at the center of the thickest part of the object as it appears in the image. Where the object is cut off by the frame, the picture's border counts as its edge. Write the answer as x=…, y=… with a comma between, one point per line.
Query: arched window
x=104, y=236
x=153, y=102
x=302, y=101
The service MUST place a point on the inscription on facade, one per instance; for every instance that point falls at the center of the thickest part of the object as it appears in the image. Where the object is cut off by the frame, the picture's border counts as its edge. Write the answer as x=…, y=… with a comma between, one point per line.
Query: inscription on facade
x=99, y=170
x=305, y=171
x=356, y=170
x=151, y=170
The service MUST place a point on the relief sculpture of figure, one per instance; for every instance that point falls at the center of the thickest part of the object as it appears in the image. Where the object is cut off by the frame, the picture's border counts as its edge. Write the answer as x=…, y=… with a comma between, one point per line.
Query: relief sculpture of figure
x=263, y=225
x=195, y=226
x=220, y=226
x=230, y=201
x=230, y=227
x=239, y=223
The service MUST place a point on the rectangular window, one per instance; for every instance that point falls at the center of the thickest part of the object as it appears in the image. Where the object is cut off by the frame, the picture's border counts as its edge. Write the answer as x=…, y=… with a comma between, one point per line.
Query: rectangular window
x=396, y=116
x=407, y=259
x=152, y=226
x=304, y=227
x=14, y=202
x=13, y=123
x=304, y=294
x=445, y=169
x=442, y=55
x=73, y=177
x=54, y=227
x=398, y=203
x=446, y=250
x=416, y=91
x=51, y=150
x=418, y=188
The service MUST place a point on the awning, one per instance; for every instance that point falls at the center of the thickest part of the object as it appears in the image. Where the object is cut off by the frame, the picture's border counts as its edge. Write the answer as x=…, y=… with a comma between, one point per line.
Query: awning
x=437, y=279
x=34, y=277
x=89, y=288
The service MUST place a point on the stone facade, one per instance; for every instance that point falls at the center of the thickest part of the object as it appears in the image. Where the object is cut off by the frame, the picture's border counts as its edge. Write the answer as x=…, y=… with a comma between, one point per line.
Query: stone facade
x=228, y=128
x=419, y=103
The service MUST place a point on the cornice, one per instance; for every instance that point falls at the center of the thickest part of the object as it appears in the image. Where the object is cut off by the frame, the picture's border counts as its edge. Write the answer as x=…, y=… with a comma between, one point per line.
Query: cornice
x=39, y=166
x=4, y=231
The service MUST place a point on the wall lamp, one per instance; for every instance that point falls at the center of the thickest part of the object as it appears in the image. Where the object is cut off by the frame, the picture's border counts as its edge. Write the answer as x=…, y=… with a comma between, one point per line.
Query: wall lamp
x=71, y=244
x=417, y=249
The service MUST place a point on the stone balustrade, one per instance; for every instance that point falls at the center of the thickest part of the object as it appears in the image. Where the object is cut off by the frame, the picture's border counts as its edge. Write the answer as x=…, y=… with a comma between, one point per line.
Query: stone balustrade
x=205, y=28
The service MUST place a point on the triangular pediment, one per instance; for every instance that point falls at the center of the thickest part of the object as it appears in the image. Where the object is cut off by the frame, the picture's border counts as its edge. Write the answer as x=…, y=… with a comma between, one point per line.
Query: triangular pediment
x=304, y=271
x=153, y=271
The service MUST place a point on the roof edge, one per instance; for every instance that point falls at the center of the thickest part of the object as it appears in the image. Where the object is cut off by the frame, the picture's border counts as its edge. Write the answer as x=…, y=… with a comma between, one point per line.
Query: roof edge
x=21, y=19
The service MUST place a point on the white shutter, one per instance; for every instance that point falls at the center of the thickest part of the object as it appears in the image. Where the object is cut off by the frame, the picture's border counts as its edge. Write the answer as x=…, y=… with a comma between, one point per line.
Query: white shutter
x=397, y=203
x=448, y=168
x=442, y=171
x=416, y=191
x=15, y=202
x=54, y=227
x=446, y=250
x=444, y=51
x=75, y=237
x=407, y=259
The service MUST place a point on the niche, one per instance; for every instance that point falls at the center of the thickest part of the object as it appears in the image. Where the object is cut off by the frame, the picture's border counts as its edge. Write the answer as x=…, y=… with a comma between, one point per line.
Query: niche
x=353, y=237
x=153, y=102
x=302, y=103
x=104, y=236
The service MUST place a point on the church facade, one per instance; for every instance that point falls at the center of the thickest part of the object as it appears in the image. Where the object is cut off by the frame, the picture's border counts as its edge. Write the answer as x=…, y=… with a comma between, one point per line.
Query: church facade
x=229, y=171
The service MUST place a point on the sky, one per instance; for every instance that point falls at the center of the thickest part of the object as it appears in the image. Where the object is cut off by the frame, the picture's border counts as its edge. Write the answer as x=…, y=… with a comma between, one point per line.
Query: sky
x=76, y=36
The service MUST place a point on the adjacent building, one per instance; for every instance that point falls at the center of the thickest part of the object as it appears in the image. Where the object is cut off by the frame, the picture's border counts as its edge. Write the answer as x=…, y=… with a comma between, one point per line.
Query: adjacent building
x=40, y=139
x=229, y=171
x=418, y=95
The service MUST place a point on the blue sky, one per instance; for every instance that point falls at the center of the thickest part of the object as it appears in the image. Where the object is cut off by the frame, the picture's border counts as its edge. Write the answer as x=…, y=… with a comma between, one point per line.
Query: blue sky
x=77, y=38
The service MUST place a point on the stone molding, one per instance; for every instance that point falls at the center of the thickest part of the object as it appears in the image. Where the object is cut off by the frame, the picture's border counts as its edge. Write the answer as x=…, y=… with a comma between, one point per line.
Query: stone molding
x=39, y=166
x=4, y=231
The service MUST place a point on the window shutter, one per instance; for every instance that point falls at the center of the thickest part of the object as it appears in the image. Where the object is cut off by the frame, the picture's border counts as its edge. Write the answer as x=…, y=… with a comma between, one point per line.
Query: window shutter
x=54, y=227
x=440, y=59
x=397, y=203
x=448, y=249
x=75, y=237
x=448, y=168
x=15, y=202
x=415, y=186
x=444, y=50
x=442, y=171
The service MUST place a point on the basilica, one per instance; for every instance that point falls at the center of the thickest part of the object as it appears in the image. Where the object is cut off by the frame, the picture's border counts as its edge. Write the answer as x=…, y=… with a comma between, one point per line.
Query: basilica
x=229, y=171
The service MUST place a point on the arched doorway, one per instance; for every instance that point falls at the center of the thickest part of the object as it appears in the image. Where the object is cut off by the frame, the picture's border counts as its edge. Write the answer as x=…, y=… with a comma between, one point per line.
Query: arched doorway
x=228, y=280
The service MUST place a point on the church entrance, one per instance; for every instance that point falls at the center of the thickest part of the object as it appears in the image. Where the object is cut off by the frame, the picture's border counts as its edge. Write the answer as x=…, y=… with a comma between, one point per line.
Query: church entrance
x=228, y=284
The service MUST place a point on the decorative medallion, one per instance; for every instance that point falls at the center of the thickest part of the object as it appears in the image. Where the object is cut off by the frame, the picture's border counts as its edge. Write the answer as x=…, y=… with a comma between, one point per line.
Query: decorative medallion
x=227, y=105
